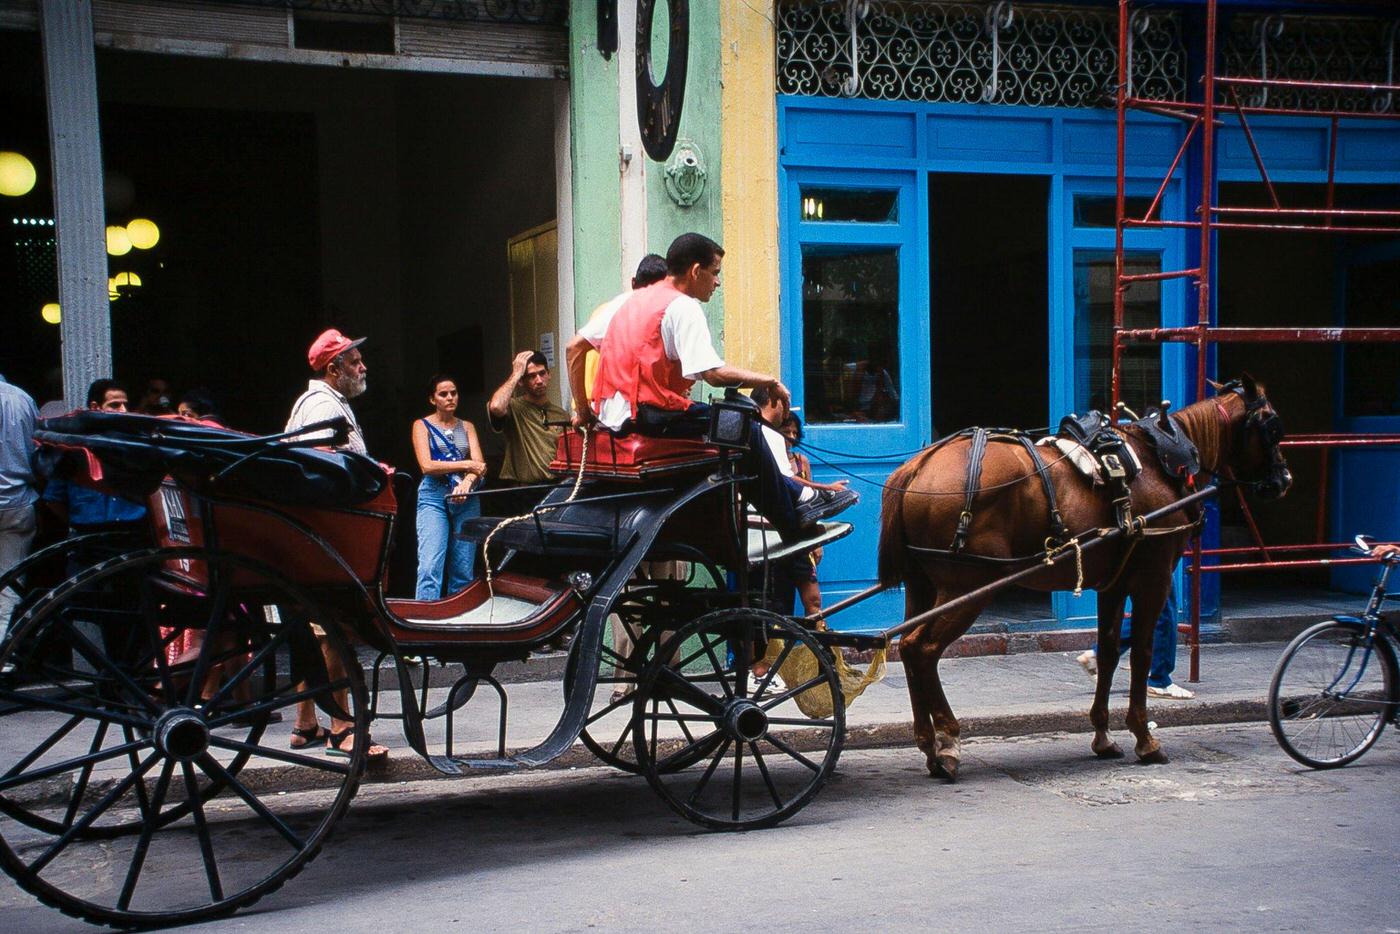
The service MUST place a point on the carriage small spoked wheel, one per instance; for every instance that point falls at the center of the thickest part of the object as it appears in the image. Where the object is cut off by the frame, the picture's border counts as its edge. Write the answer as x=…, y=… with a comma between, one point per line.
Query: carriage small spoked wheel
x=628, y=642
x=1332, y=693
x=722, y=748
x=142, y=788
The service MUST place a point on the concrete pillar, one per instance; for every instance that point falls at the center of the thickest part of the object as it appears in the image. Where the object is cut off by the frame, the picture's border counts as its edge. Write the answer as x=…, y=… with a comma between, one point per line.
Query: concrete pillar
x=70, y=79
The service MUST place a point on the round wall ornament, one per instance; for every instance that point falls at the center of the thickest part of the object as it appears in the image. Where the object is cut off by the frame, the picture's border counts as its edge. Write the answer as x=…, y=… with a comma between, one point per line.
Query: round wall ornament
x=659, y=102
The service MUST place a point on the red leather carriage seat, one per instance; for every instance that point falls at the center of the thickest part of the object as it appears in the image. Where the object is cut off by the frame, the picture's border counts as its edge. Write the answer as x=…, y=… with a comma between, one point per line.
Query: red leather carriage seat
x=631, y=456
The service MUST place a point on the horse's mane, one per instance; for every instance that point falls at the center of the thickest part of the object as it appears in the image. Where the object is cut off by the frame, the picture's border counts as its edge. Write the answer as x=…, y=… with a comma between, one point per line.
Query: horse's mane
x=1201, y=423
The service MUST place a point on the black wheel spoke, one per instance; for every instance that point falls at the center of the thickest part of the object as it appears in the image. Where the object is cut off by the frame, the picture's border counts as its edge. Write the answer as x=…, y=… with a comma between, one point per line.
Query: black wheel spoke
x=680, y=754
x=276, y=701
x=723, y=682
x=291, y=758
x=681, y=689
x=737, y=788
x=45, y=746
x=247, y=670
x=201, y=826
x=792, y=752
x=212, y=768
x=708, y=774
x=48, y=771
x=793, y=692
x=682, y=720
x=85, y=775
x=773, y=669
x=90, y=817
x=143, y=845
x=77, y=710
x=99, y=659
x=213, y=627
x=799, y=721
x=626, y=732
x=767, y=779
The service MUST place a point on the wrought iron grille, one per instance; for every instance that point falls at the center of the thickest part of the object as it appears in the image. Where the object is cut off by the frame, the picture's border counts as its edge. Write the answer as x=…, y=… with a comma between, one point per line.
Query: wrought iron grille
x=1313, y=48
x=1000, y=53
x=530, y=12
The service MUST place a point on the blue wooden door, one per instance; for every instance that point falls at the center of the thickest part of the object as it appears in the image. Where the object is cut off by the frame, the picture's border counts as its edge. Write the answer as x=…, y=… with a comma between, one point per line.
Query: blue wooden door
x=1084, y=278
x=855, y=350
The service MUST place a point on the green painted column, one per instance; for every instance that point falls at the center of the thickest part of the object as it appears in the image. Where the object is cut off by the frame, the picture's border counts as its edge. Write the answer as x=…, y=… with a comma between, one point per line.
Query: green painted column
x=700, y=128
x=593, y=127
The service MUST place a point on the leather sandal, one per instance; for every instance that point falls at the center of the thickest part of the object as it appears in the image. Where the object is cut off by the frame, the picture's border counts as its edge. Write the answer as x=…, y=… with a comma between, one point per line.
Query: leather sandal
x=335, y=746
x=309, y=736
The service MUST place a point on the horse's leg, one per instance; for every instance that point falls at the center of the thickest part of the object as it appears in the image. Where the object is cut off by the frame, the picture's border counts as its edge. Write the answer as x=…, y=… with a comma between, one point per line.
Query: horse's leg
x=1110, y=623
x=1149, y=596
x=946, y=754
x=918, y=596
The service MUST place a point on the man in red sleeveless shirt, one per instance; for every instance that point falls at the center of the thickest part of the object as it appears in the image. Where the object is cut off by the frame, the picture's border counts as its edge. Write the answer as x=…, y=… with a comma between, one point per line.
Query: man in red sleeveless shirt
x=651, y=350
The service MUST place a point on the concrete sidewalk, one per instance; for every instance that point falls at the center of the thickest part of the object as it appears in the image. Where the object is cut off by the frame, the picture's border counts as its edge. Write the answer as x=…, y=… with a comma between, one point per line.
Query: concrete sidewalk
x=993, y=695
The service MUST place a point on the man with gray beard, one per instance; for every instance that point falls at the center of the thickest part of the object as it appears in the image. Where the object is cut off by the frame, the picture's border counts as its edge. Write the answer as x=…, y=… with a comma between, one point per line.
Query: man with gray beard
x=340, y=376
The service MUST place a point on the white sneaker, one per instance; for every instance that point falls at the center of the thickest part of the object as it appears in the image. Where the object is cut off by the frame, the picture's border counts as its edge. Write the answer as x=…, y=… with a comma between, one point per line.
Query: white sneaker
x=1171, y=692
x=1090, y=663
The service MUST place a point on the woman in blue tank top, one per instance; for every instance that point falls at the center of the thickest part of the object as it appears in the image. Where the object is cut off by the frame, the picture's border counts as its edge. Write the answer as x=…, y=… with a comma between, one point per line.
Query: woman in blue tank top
x=450, y=457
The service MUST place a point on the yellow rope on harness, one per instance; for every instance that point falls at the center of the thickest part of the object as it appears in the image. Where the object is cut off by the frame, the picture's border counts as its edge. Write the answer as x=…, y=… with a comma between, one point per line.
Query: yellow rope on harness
x=1052, y=549
x=486, y=545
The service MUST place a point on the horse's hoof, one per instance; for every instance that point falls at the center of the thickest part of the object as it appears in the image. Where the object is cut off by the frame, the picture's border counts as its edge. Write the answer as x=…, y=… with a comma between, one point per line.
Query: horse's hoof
x=1111, y=751
x=1155, y=757
x=944, y=767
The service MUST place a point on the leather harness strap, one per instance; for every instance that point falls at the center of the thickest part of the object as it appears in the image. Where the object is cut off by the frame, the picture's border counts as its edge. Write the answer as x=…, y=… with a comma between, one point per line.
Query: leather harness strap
x=1059, y=532
x=974, y=476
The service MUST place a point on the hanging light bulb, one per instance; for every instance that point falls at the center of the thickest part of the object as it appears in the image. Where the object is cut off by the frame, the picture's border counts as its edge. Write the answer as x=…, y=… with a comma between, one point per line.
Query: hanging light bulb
x=118, y=243
x=17, y=175
x=51, y=313
x=143, y=233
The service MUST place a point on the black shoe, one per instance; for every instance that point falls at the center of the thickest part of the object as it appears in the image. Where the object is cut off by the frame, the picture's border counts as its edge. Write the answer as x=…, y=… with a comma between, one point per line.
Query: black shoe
x=825, y=504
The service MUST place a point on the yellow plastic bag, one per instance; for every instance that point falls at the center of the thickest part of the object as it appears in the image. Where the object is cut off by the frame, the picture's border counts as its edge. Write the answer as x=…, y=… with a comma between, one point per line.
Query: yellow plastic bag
x=801, y=666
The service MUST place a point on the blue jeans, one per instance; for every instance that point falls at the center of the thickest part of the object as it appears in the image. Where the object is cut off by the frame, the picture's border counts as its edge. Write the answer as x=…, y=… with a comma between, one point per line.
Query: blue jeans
x=440, y=545
x=1163, y=643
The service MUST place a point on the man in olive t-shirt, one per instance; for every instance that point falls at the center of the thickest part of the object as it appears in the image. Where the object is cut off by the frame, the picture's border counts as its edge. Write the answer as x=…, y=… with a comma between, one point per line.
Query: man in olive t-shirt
x=531, y=424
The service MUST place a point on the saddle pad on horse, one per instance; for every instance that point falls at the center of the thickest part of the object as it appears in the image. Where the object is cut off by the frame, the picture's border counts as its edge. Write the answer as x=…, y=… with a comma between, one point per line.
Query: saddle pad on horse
x=1084, y=460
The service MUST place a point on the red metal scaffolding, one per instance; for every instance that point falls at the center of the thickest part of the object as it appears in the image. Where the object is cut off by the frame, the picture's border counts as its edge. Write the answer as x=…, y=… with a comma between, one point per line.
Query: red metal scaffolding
x=1204, y=119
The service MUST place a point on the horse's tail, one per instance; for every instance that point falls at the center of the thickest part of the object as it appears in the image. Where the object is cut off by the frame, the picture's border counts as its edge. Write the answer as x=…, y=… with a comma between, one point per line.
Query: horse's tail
x=893, y=566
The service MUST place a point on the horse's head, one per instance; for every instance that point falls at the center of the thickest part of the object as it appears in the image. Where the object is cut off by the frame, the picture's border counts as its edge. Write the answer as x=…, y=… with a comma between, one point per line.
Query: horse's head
x=1252, y=431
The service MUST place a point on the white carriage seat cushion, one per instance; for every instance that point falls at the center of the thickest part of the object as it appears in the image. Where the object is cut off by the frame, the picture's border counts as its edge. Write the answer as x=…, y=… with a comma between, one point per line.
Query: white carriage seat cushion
x=498, y=610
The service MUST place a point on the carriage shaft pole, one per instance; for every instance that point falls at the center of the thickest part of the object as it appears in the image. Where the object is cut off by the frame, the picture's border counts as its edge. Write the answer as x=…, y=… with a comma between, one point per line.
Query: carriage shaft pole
x=914, y=622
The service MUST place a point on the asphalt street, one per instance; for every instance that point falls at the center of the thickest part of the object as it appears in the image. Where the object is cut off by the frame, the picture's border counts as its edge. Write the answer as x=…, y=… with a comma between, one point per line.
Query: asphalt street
x=1231, y=834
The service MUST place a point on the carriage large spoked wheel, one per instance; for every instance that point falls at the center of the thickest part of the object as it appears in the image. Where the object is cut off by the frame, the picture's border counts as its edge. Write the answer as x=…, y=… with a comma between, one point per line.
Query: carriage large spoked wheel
x=628, y=642
x=1332, y=693
x=725, y=750
x=143, y=786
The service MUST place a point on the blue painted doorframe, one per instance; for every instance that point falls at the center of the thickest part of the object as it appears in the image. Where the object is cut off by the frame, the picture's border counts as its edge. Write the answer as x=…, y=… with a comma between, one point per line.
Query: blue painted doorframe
x=894, y=146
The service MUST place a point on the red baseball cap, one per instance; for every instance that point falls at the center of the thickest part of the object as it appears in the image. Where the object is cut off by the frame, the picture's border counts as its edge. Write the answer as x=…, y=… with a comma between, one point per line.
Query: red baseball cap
x=329, y=345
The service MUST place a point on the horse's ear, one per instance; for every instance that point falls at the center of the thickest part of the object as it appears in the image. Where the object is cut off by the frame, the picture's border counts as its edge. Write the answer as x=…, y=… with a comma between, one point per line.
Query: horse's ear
x=1218, y=387
x=1251, y=388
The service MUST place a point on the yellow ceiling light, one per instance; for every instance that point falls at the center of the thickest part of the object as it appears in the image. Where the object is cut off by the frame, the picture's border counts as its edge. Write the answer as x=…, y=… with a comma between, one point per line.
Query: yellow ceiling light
x=125, y=278
x=118, y=243
x=51, y=313
x=17, y=174
x=142, y=233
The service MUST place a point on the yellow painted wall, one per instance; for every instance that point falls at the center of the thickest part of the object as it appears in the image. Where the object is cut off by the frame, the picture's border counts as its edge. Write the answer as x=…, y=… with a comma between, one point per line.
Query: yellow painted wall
x=749, y=182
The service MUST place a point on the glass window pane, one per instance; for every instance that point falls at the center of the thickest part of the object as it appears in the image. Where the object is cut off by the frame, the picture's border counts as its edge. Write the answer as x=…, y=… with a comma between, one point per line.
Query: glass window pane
x=850, y=329
x=1094, y=283
x=1371, y=383
x=1101, y=210
x=850, y=204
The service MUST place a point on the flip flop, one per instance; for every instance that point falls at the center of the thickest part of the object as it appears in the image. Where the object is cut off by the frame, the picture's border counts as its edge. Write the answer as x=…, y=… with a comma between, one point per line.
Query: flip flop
x=310, y=736
x=335, y=746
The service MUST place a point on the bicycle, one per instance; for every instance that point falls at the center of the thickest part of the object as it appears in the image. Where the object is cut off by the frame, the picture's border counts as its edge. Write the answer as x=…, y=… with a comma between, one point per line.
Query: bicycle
x=1338, y=682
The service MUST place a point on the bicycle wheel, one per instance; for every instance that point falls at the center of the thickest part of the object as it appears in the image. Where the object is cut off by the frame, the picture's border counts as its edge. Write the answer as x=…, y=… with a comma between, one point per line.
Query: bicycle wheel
x=1331, y=693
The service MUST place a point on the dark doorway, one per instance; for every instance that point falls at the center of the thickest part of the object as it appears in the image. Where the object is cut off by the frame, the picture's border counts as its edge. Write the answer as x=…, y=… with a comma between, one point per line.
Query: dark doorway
x=989, y=300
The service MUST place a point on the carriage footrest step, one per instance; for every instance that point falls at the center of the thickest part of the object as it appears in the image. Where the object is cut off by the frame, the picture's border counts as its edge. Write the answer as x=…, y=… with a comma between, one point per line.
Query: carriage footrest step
x=445, y=764
x=499, y=765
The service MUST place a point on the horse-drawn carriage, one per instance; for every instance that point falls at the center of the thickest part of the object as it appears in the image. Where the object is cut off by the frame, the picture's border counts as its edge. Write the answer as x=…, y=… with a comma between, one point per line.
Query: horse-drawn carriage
x=140, y=784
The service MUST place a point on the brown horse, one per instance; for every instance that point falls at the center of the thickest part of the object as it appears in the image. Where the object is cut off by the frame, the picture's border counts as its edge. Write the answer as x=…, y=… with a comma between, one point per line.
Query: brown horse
x=1236, y=433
